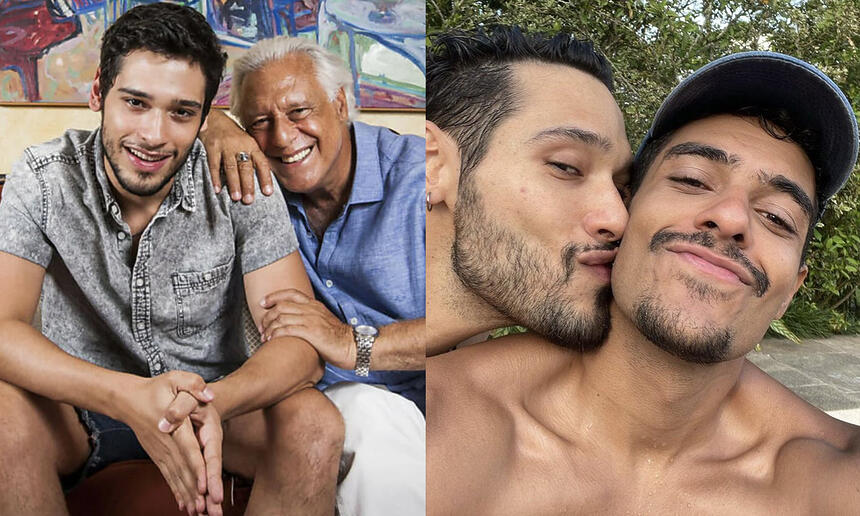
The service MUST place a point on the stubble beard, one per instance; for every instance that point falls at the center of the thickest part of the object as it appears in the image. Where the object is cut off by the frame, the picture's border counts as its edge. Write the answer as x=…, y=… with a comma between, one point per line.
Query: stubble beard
x=136, y=183
x=666, y=327
x=667, y=330
x=516, y=280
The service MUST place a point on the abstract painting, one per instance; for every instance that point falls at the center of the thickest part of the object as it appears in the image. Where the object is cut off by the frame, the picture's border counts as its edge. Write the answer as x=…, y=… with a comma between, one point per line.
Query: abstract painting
x=49, y=49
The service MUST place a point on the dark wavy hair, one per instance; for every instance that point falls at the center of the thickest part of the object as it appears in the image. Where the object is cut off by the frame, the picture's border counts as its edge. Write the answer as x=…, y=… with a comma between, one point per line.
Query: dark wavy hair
x=170, y=30
x=470, y=88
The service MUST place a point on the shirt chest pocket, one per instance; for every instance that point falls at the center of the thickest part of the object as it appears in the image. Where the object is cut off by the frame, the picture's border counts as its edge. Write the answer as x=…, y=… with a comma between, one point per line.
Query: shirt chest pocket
x=201, y=298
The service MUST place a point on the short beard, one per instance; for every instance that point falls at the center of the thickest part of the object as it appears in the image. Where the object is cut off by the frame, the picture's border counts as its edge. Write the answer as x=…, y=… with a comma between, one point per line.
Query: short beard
x=140, y=188
x=703, y=345
x=516, y=280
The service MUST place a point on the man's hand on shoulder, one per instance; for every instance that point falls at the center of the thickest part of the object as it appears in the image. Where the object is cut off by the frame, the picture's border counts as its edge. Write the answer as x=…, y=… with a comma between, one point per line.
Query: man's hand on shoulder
x=293, y=313
x=224, y=141
x=177, y=455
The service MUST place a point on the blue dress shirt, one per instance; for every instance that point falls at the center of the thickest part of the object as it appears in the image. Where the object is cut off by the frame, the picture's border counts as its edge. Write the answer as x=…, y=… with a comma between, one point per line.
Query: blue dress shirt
x=369, y=266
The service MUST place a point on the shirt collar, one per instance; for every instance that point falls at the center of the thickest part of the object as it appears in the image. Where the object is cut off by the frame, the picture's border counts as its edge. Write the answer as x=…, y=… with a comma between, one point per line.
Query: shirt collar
x=367, y=183
x=195, y=163
x=95, y=144
x=181, y=193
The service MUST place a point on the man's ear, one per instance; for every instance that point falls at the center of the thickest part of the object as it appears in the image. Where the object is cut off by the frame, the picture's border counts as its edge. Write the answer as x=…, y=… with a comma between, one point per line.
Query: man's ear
x=95, y=101
x=443, y=166
x=801, y=276
x=340, y=105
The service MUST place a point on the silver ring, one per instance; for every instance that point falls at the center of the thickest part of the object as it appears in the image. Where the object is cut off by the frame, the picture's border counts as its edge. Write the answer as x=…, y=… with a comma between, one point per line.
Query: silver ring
x=242, y=157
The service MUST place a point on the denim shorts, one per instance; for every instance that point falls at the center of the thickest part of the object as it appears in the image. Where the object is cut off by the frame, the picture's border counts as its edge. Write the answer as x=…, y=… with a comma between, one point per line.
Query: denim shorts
x=110, y=441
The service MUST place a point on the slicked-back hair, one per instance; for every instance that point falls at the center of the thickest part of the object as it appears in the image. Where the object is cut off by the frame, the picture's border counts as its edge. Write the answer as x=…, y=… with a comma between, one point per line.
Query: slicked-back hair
x=778, y=123
x=470, y=80
x=170, y=30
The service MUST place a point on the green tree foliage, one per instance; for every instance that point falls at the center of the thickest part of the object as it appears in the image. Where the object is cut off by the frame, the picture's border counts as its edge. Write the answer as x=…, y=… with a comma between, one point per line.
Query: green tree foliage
x=654, y=44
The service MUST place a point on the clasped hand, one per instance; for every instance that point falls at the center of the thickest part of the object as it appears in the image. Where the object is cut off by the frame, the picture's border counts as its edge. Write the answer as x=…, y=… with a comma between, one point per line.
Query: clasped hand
x=180, y=429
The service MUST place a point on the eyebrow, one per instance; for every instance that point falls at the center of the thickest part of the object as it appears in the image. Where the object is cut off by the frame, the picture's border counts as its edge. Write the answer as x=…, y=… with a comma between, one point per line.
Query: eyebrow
x=786, y=185
x=136, y=93
x=572, y=134
x=147, y=96
x=190, y=103
x=778, y=181
x=703, y=151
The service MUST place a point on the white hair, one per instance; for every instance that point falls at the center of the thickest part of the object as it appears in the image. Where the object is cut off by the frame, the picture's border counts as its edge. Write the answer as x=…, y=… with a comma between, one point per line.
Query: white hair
x=330, y=70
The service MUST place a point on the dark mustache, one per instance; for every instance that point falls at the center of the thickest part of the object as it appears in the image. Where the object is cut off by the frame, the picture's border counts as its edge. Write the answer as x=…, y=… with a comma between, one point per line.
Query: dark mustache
x=729, y=250
x=570, y=252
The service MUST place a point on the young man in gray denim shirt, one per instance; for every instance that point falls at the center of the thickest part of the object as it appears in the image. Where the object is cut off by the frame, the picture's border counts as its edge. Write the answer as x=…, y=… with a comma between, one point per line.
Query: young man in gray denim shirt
x=143, y=271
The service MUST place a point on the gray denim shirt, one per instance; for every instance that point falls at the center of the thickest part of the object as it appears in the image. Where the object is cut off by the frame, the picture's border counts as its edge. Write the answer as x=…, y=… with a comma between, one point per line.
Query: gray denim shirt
x=177, y=304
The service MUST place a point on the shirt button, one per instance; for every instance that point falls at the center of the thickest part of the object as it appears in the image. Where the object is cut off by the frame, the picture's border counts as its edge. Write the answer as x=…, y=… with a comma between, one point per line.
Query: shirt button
x=353, y=321
x=139, y=282
x=328, y=283
x=207, y=276
x=157, y=367
x=121, y=235
x=141, y=325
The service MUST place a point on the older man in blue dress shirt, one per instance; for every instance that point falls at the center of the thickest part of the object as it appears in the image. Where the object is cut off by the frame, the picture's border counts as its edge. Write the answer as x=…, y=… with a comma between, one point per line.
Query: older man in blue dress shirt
x=356, y=198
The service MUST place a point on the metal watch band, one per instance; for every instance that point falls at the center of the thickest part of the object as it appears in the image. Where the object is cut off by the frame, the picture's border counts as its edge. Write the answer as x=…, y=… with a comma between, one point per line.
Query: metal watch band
x=363, y=347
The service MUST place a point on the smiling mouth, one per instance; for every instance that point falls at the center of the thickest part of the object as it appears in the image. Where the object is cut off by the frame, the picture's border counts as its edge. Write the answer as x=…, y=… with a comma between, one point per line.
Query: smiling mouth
x=294, y=158
x=712, y=269
x=700, y=250
x=147, y=156
x=713, y=264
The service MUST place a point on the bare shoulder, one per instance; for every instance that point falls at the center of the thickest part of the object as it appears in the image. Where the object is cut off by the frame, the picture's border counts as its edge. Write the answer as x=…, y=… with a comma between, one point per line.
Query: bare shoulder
x=479, y=381
x=789, y=415
x=491, y=358
x=814, y=450
x=472, y=394
x=828, y=462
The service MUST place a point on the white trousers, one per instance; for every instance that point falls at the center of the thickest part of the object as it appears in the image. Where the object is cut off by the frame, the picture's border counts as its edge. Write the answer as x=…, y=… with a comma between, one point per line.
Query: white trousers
x=385, y=436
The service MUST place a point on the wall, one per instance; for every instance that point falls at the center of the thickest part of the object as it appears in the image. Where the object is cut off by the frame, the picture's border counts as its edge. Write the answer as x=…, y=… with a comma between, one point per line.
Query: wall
x=22, y=126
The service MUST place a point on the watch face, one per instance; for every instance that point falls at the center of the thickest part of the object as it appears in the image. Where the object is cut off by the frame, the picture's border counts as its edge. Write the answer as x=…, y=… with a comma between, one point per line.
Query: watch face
x=365, y=330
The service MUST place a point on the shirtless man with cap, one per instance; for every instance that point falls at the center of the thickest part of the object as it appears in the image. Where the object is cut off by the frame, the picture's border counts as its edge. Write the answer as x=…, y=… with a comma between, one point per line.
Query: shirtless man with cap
x=667, y=416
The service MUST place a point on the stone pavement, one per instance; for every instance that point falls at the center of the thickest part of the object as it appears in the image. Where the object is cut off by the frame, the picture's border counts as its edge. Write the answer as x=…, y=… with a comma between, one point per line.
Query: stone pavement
x=824, y=372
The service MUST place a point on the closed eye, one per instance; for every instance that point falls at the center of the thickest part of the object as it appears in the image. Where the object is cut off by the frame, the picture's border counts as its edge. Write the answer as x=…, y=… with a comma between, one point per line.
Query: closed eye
x=689, y=181
x=299, y=113
x=565, y=169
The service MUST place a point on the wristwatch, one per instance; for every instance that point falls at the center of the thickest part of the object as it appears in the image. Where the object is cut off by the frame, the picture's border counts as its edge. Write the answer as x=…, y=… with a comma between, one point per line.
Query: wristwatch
x=364, y=336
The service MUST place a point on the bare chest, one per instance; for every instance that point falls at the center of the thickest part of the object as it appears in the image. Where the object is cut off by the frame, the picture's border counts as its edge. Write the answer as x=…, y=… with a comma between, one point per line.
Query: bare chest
x=565, y=481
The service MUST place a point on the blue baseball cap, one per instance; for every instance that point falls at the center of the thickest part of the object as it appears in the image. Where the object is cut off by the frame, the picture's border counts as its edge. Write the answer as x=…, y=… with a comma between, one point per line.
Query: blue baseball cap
x=771, y=80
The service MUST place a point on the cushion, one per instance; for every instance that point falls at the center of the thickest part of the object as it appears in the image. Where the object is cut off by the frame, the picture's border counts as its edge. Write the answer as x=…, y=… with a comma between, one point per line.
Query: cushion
x=136, y=488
